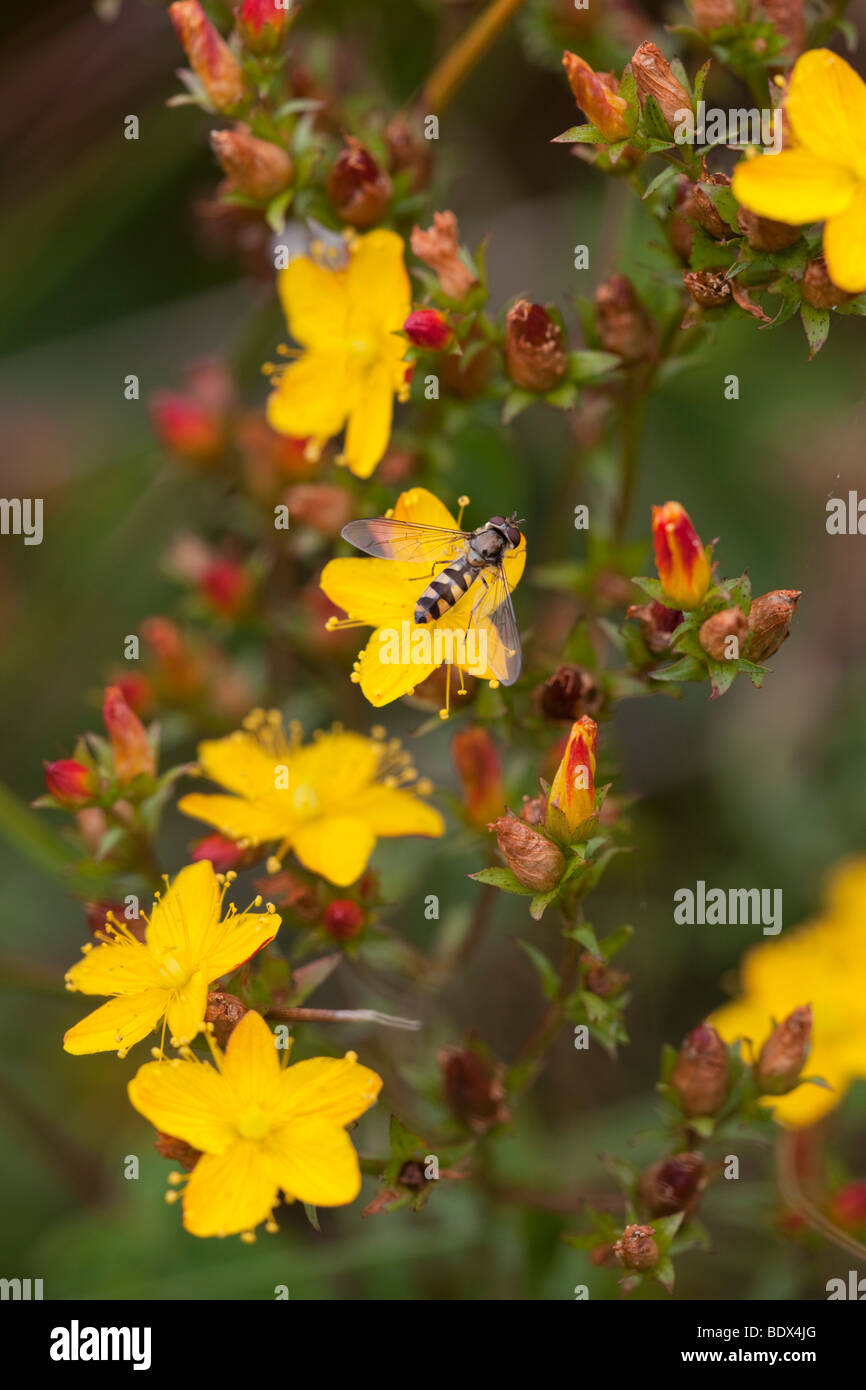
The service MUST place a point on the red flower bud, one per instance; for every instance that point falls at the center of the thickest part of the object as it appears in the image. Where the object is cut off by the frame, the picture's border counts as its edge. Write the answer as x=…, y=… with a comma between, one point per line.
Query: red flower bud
x=480, y=772
x=848, y=1207
x=681, y=560
x=572, y=793
x=262, y=23
x=187, y=427
x=427, y=328
x=209, y=56
x=343, y=919
x=358, y=189
x=70, y=782
x=702, y=1071
x=226, y=586
x=133, y=755
x=222, y=852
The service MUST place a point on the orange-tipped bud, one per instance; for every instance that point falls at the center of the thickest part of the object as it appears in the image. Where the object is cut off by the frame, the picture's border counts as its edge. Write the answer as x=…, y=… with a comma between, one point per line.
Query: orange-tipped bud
x=784, y=1054
x=427, y=328
x=572, y=795
x=681, y=560
x=357, y=187
x=535, y=860
x=536, y=351
x=596, y=95
x=258, y=168
x=70, y=782
x=133, y=755
x=439, y=248
x=480, y=773
x=262, y=23
x=209, y=56
x=701, y=1072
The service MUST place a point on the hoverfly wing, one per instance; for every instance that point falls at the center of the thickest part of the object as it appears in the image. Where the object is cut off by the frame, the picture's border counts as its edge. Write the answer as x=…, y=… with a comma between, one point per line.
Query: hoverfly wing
x=407, y=541
x=493, y=617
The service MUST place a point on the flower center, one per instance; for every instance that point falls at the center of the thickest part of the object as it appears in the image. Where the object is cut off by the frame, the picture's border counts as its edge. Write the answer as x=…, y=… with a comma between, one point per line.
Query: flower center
x=304, y=799
x=253, y=1123
x=171, y=970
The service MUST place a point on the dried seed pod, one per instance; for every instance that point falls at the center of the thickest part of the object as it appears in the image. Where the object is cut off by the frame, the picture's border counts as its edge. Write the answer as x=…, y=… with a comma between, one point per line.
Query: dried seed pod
x=673, y=1184
x=701, y=1072
x=535, y=860
x=764, y=234
x=654, y=77
x=770, y=618
x=716, y=633
x=709, y=288
x=536, y=351
x=637, y=1249
x=784, y=1054
x=819, y=290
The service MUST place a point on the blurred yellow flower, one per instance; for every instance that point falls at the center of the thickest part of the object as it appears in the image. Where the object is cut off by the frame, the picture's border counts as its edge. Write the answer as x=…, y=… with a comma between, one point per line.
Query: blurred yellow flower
x=822, y=963
x=348, y=321
x=384, y=594
x=329, y=801
x=822, y=176
x=260, y=1127
x=166, y=976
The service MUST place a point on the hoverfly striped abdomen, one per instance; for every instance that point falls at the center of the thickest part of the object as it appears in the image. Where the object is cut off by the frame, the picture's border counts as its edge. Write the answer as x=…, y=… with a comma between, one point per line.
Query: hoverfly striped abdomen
x=448, y=586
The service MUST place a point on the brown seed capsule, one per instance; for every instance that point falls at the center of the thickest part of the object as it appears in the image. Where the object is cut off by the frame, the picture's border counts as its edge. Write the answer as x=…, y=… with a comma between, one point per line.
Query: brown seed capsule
x=569, y=693
x=407, y=150
x=770, y=618
x=681, y=232
x=177, y=1150
x=722, y=635
x=763, y=234
x=536, y=351
x=657, y=623
x=705, y=208
x=535, y=860
x=788, y=19
x=534, y=810
x=709, y=288
x=600, y=978
x=224, y=1011
x=784, y=1054
x=715, y=14
x=473, y=1087
x=636, y=1248
x=701, y=1072
x=358, y=189
x=818, y=288
x=655, y=78
x=412, y=1175
x=258, y=168
x=673, y=1184
x=624, y=326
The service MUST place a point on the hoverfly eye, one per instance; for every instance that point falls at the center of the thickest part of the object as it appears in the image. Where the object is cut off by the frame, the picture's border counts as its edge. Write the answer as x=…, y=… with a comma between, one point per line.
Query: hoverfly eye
x=514, y=535
x=496, y=521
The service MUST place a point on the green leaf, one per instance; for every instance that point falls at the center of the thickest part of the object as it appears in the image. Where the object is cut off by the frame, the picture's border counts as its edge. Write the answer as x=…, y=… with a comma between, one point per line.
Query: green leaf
x=504, y=879
x=516, y=402
x=654, y=588
x=700, y=81
x=586, y=936
x=540, y=902
x=403, y=1142
x=549, y=977
x=660, y=182
x=615, y=942
x=722, y=675
x=587, y=364
x=724, y=203
x=312, y=1216
x=816, y=325
x=654, y=123
x=688, y=669
x=580, y=135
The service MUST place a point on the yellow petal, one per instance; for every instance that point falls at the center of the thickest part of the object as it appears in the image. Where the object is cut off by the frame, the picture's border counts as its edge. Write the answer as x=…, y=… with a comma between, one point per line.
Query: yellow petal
x=240, y=763
x=184, y=914
x=119, y=967
x=395, y=811
x=337, y=766
x=251, y=1065
x=337, y=847
x=314, y=395
x=826, y=103
x=369, y=427
x=793, y=186
x=378, y=592
x=188, y=1100
x=384, y=681
x=236, y=939
x=378, y=284
x=845, y=245
x=229, y=1192
x=118, y=1024
x=254, y=822
x=315, y=302
x=313, y=1161
x=186, y=1009
x=338, y=1089
x=424, y=508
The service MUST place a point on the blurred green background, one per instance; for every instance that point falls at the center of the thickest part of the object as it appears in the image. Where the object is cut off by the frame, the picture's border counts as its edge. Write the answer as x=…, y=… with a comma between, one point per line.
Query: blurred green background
x=105, y=275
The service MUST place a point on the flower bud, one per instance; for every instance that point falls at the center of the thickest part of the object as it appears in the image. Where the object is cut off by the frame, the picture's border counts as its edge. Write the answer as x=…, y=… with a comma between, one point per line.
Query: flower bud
x=705, y=209
x=601, y=979
x=407, y=150
x=709, y=288
x=535, y=861
x=848, y=1207
x=177, y=1150
x=480, y=772
x=534, y=810
x=715, y=14
x=187, y=427
x=788, y=19
x=624, y=327
x=764, y=234
x=819, y=290
x=701, y=1072
x=770, y=618
x=209, y=56
x=716, y=633
x=258, y=168
x=596, y=95
x=133, y=755
x=572, y=793
x=673, y=1184
x=70, y=782
x=343, y=919
x=262, y=24
x=357, y=187
x=681, y=232
x=569, y=693
x=472, y=1086
x=224, y=1011
x=427, y=328
x=323, y=506
x=636, y=1248
x=655, y=78
x=681, y=560
x=226, y=587
x=657, y=624
x=536, y=352
x=439, y=248
x=223, y=853
x=784, y=1054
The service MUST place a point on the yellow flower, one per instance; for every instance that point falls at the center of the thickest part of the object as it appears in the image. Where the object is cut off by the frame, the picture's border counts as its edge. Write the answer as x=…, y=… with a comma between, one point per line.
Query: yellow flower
x=260, y=1127
x=822, y=963
x=383, y=594
x=348, y=321
x=329, y=801
x=822, y=177
x=186, y=948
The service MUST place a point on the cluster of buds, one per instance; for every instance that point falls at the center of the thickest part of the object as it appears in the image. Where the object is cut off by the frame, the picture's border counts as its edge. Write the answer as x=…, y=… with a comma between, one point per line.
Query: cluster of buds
x=714, y=630
x=103, y=770
x=185, y=670
x=340, y=918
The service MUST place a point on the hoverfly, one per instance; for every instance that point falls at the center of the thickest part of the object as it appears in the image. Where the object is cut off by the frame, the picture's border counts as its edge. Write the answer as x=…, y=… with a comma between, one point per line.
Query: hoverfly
x=458, y=560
